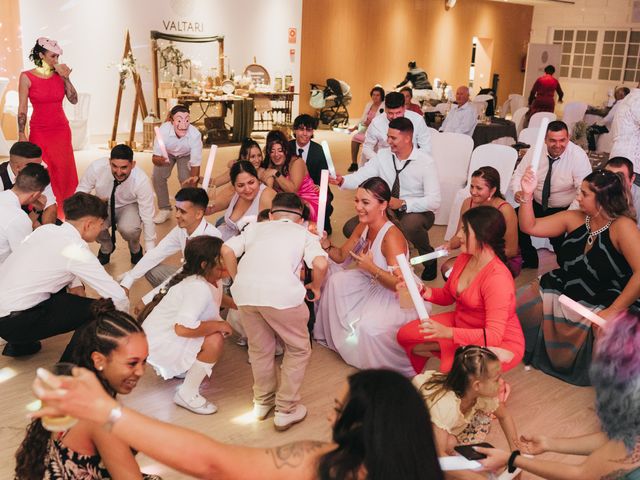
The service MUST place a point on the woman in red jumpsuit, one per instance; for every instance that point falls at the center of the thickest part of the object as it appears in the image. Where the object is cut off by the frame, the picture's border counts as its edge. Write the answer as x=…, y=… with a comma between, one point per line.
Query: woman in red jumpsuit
x=541, y=98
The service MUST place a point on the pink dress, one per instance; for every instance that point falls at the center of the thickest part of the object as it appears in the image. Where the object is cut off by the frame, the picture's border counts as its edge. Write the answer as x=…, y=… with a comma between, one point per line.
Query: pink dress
x=310, y=194
x=358, y=137
x=49, y=129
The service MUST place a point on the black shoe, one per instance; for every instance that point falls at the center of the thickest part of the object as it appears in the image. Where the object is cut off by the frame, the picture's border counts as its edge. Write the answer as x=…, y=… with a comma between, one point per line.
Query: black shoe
x=135, y=257
x=21, y=349
x=530, y=264
x=353, y=167
x=430, y=272
x=104, y=258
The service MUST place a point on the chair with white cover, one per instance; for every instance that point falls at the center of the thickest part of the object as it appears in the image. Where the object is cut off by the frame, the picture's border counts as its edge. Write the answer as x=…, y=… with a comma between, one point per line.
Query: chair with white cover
x=4, y=145
x=500, y=157
x=452, y=153
x=528, y=135
x=78, y=116
x=573, y=113
x=518, y=118
x=536, y=118
x=483, y=97
x=443, y=108
x=512, y=104
x=480, y=107
x=605, y=142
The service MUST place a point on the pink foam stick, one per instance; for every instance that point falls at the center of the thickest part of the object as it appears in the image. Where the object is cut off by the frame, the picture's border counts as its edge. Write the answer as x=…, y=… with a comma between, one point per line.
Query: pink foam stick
x=582, y=310
x=161, y=144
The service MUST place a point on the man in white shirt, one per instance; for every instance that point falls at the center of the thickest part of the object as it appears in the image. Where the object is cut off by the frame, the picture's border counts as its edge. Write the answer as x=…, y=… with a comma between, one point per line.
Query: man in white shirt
x=624, y=166
x=191, y=204
x=415, y=190
x=38, y=278
x=15, y=223
x=604, y=125
x=129, y=196
x=376, y=136
x=562, y=169
x=270, y=298
x=626, y=131
x=45, y=209
x=463, y=117
x=184, y=148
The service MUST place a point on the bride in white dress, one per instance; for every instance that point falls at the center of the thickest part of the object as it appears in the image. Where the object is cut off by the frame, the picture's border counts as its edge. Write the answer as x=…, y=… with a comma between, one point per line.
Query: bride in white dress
x=359, y=314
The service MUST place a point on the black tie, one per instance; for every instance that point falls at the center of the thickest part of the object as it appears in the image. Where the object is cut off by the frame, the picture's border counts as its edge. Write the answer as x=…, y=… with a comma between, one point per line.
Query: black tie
x=112, y=212
x=395, y=189
x=546, y=188
x=300, y=152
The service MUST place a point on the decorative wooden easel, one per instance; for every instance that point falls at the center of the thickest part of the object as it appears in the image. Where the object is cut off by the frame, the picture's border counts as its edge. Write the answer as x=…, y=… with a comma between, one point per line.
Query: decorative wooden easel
x=139, y=102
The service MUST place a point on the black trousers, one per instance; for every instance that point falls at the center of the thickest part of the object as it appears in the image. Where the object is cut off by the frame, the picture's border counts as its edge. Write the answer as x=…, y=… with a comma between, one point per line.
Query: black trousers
x=592, y=131
x=60, y=313
x=529, y=253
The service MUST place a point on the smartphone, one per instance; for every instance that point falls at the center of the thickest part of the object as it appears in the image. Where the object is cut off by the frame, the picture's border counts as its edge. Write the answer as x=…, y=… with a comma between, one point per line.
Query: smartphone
x=469, y=453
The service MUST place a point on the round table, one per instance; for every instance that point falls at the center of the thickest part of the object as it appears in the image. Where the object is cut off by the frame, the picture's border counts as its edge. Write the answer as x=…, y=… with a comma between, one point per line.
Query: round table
x=498, y=128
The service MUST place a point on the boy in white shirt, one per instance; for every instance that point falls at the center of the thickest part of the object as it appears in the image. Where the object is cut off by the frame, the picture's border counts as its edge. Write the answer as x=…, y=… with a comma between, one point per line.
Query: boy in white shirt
x=270, y=298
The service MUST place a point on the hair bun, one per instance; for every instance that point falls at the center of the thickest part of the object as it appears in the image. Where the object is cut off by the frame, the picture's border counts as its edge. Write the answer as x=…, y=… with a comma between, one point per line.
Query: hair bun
x=102, y=306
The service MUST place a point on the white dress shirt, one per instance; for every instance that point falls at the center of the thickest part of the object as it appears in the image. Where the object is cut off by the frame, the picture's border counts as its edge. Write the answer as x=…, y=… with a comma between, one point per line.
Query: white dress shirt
x=419, y=185
x=461, y=119
x=566, y=176
x=174, y=242
x=136, y=188
x=626, y=129
x=48, y=260
x=375, y=137
x=190, y=144
x=15, y=224
x=269, y=272
x=47, y=192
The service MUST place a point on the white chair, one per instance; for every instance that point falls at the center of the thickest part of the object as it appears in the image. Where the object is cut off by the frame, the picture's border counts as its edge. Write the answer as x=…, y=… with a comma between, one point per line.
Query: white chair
x=480, y=107
x=4, y=145
x=528, y=135
x=452, y=153
x=500, y=157
x=605, y=142
x=78, y=116
x=513, y=103
x=518, y=118
x=484, y=97
x=573, y=113
x=443, y=108
x=536, y=118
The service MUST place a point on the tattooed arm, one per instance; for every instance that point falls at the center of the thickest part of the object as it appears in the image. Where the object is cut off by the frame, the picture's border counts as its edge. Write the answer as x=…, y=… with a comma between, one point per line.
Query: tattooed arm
x=23, y=105
x=70, y=91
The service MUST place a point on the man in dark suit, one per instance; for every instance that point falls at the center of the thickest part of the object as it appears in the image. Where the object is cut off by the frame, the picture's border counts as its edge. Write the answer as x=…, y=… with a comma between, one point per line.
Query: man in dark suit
x=313, y=155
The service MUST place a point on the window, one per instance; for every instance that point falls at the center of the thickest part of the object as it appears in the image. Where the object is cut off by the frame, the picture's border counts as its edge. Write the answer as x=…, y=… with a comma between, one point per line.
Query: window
x=578, y=52
x=614, y=51
x=632, y=65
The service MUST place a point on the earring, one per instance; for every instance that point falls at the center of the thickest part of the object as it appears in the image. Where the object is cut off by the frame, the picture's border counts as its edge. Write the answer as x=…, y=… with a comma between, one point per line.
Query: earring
x=100, y=368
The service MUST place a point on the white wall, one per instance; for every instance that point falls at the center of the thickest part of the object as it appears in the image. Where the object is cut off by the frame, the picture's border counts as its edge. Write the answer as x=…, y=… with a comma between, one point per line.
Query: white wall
x=585, y=13
x=92, y=35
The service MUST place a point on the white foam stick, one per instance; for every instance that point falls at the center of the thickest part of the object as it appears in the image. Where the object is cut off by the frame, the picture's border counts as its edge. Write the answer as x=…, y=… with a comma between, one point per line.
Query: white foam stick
x=407, y=273
x=163, y=147
x=539, y=145
x=322, y=202
x=582, y=310
x=327, y=155
x=209, y=168
x=429, y=256
x=458, y=463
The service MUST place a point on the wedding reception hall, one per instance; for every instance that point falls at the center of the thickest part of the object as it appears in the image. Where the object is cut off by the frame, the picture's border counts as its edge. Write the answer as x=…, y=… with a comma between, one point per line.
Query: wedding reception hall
x=401, y=239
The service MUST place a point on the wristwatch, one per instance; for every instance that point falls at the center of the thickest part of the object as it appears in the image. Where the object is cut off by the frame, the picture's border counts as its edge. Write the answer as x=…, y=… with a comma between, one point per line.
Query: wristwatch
x=403, y=208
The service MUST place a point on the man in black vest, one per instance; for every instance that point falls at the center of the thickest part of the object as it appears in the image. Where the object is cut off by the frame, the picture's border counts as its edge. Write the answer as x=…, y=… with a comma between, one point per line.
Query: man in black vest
x=313, y=155
x=45, y=209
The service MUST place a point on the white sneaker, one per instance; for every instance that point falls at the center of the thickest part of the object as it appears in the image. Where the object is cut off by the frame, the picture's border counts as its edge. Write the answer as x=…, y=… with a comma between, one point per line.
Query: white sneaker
x=260, y=412
x=197, y=404
x=284, y=421
x=162, y=216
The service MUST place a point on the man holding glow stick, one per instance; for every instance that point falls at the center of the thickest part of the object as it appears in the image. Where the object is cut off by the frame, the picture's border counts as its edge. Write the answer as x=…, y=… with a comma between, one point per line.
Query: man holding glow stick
x=183, y=144
x=563, y=166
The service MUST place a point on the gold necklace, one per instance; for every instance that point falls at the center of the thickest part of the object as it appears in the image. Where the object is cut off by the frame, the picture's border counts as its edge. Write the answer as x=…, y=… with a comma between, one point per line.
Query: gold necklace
x=45, y=69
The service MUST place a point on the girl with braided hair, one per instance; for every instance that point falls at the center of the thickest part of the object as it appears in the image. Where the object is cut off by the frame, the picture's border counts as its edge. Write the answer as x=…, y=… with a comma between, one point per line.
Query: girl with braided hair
x=114, y=347
x=183, y=324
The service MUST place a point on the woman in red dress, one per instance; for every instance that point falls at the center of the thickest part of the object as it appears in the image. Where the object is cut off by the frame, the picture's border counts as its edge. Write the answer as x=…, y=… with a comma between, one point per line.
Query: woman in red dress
x=46, y=86
x=541, y=98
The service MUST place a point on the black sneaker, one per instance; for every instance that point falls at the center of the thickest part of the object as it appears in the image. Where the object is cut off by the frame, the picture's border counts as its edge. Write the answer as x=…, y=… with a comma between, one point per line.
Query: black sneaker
x=103, y=258
x=430, y=272
x=353, y=167
x=21, y=349
x=135, y=257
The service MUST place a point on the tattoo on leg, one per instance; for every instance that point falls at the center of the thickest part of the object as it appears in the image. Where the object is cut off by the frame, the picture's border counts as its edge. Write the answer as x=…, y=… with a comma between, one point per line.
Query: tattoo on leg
x=293, y=454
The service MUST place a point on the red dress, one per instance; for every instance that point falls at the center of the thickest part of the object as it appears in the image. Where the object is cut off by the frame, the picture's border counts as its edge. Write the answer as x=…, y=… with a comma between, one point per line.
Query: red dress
x=486, y=306
x=49, y=129
x=541, y=98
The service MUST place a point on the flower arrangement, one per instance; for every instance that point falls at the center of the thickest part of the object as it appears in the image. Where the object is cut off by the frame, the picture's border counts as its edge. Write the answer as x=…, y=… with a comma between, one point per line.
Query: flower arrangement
x=126, y=68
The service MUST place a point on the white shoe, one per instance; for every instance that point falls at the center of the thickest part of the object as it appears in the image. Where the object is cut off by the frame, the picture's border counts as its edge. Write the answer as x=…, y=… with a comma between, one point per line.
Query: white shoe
x=284, y=421
x=260, y=412
x=162, y=216
x=181, y=376
x=197, y=404
x=242, y=341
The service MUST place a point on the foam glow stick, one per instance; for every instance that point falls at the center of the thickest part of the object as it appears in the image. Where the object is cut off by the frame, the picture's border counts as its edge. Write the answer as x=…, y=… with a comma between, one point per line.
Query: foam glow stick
x=537, y=148
x=161, y=144
x=458, y=463
x=207, y=172
x=322, y=202
x=327, y=155
x=429, y=256
x=407, y=273
x=582, y=310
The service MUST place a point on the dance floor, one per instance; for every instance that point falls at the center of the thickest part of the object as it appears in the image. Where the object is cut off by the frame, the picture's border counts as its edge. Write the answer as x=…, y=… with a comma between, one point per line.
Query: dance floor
x=539, y=403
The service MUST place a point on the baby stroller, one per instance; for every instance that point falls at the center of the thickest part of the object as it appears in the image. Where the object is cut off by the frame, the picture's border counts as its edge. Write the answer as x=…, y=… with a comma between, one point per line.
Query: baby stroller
x=332, y=100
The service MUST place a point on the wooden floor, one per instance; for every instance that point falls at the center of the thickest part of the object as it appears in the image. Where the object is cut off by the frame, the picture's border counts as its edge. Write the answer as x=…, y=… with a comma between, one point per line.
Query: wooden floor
x=539, y=403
